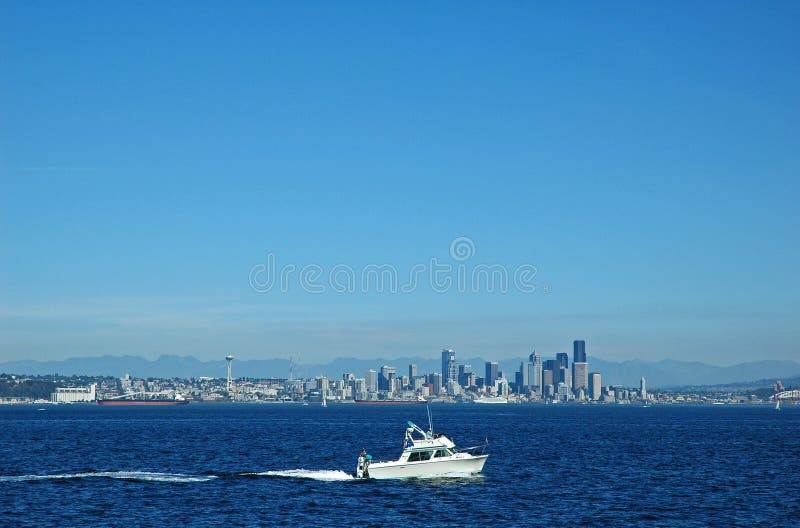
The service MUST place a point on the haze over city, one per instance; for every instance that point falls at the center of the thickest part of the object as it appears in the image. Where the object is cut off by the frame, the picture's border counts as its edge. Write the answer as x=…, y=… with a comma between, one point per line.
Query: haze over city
x=152, y=160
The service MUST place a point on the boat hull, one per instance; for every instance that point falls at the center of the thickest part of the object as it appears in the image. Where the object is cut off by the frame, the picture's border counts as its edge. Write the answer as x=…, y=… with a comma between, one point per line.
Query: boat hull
x=142, y=403
x=393, y=470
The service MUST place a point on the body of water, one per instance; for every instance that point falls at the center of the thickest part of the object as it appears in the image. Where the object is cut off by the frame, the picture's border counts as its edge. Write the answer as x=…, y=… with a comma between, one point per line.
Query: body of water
x=261, y=465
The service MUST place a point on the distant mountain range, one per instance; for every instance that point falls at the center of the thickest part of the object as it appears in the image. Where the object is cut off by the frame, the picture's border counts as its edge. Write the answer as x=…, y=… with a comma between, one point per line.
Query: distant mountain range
x=665, y=373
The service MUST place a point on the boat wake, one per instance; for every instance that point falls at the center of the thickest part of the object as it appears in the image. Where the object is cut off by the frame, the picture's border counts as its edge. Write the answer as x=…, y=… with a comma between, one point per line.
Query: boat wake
x=142, y=476
x=324, y=474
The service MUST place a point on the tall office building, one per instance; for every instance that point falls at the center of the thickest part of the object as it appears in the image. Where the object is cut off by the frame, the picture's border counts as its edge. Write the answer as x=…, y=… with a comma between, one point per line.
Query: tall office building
x=565, y=378
x=551, y=364
x=535, y=373
x=643, y=388
x=580, y=376
x=464, y=375
x=436, y=381
x=449, y=367
x=595, y=386
x=384, y=379
x=547, y=377
x=562, y=359
x=491, y=373
x=412, y=371
x=371, y=380
x=523, y=376
x=579, y=351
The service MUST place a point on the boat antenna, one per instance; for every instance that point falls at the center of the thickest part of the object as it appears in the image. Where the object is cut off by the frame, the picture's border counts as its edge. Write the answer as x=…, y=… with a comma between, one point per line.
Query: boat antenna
x=430, y=422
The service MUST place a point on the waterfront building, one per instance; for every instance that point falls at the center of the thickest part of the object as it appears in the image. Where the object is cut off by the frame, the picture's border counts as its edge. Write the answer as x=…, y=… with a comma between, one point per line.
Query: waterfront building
x=74, y=394
x=643, y=388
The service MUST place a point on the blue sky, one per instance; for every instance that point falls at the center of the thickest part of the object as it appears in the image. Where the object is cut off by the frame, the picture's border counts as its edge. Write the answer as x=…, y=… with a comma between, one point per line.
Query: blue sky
x=642, y=156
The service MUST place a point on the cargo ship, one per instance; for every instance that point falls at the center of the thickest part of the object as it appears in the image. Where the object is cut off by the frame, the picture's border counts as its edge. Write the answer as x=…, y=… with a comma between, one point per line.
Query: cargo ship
x=142, y=402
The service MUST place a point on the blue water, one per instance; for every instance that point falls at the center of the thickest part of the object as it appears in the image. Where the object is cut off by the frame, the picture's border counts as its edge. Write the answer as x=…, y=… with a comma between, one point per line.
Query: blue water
x=259, y=465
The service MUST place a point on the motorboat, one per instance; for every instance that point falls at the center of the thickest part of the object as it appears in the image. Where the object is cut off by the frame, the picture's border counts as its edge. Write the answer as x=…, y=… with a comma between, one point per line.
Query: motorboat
x=425, y=454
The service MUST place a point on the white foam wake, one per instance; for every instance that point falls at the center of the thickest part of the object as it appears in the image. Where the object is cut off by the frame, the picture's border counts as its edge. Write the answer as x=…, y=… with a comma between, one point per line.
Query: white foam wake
x=147, y=476
x=324, y=474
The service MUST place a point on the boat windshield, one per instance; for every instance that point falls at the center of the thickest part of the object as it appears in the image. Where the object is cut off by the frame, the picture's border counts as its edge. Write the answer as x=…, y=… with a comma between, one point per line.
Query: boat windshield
x=421, y=456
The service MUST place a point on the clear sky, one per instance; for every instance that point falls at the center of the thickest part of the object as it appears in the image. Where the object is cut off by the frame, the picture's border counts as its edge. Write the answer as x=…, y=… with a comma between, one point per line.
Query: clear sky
x=643, y=156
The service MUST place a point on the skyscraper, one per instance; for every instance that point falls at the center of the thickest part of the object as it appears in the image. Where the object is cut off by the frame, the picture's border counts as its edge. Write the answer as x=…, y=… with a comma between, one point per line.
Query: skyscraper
x=535, y=373
x=464, y=374
x=579, y=351
x=524, y=376
x=412, y=371
x=562, y=359
x=580, y=376
x=595, y=387
x=436, y=381
x=565, y=378
x=491, y=373
x=449, y=367
x=371, y=380
x=643, y=388
x=384, y=379
x=551, y=365
x=547, y=377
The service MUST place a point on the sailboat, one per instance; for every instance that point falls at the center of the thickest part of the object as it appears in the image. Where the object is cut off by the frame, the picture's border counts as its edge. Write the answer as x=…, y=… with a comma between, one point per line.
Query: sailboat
x=324, y=399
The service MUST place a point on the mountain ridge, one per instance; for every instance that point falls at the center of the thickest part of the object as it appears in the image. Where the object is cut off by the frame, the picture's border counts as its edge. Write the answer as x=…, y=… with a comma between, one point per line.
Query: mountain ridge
x=662, y=373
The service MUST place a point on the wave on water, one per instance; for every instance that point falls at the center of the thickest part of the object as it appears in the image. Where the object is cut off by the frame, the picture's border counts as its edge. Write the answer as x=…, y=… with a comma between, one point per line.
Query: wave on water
x=144, y=476
x=324, y=474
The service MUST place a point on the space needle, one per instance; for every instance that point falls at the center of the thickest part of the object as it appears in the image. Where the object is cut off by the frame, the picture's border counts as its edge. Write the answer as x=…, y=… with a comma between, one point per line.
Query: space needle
x=229, y=359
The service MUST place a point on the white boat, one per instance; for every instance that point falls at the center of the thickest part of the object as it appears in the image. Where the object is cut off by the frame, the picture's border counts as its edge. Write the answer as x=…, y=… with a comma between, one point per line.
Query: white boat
x=490, y=399
x=429, y=454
